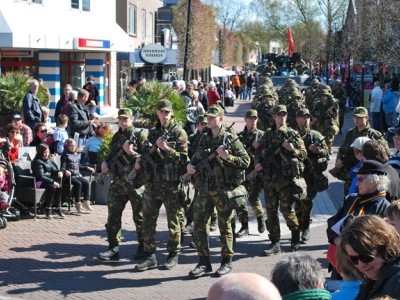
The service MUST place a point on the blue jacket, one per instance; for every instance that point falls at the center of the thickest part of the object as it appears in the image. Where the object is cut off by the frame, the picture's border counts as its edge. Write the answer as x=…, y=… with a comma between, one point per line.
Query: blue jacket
x=389, y=101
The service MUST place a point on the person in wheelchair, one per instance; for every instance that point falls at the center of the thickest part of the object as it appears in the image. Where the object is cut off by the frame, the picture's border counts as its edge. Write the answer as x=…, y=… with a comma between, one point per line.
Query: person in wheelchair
x=71, y=166
x=48, y=177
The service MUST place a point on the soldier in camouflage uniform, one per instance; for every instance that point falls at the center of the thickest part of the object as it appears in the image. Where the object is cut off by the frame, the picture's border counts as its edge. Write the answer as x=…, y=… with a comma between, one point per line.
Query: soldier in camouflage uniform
x=125, y=146
x=263, y=108
x=164, y=188
x=250, y=137
x=311, y=93
x=345, y=159
x=280, y=158
x=296, y=102
x=220, y=185
x=325, y=116
x=315, y=164
x=339, y=93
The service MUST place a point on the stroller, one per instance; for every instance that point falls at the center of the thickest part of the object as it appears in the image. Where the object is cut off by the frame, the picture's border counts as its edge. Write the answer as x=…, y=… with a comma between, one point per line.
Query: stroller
x=7, y=196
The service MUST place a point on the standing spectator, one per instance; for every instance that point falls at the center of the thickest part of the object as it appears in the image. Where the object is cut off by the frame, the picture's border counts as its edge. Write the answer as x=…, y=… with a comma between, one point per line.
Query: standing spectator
x=60, y=134
x=48, y=177
x=203, y=95
x=236, y=84
x=164, y=187
x=242, y=89
x=389, y=106
x=12, y=132
x=24, y=129
x=250, y=80
x=71, y=166
x=92, y=100
x=62, y=104
x=375, y=107
x=373, y=246
x=190, y=125
x=31, y=106
x=212, y=94
x=299, y=276
x=79, y=118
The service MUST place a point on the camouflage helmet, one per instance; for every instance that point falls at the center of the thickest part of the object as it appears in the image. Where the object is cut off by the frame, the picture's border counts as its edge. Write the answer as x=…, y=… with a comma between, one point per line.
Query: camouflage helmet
x=290, y=81
x=325, y=92
x=327, y=87
x=269, y=82
x=296, y=93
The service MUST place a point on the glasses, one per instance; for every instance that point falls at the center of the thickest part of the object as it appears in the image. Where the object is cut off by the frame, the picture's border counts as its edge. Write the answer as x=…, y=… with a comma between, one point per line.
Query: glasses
x=366, y=259
x=361, y=179
x=43, y=131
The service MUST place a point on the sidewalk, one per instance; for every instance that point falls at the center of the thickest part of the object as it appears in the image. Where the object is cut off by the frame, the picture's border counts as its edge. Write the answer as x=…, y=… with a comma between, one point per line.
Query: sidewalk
x=57, y=259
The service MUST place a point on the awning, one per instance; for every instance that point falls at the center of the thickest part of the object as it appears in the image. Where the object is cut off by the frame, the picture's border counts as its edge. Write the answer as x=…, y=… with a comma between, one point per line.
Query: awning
x=34, y=26
x=220, y=72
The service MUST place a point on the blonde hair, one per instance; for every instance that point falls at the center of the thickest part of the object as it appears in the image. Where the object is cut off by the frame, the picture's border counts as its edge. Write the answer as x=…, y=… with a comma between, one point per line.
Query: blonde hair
x=393, y=210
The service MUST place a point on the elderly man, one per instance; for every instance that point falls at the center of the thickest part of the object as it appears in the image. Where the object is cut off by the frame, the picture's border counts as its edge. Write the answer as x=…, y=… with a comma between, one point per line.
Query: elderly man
x=31, y=107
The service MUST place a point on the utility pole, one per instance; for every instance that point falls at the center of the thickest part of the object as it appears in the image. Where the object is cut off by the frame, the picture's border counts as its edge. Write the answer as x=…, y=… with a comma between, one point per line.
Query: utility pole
x=185, y=59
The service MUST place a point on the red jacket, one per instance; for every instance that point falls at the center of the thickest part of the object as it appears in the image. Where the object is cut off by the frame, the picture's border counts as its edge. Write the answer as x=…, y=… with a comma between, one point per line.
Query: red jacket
x=213, y=97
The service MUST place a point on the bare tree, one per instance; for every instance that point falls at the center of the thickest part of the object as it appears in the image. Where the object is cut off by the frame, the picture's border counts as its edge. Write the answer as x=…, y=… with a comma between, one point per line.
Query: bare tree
x=230, y=13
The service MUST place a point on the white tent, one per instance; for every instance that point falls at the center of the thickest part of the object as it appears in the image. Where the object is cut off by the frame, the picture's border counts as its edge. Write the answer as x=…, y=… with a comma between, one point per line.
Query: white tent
x=219, y=72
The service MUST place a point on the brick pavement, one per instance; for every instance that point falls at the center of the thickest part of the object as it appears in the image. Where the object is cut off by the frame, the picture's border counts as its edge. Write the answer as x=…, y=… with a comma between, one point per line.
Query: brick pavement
x=57, y=259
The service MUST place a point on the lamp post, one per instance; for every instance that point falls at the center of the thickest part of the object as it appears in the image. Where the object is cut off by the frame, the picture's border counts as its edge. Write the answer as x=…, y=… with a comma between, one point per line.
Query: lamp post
x=185, y=59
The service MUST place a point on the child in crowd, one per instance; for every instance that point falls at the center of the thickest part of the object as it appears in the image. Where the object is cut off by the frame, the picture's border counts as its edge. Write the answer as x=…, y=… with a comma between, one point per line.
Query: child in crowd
x=93, y=143
x=60, y=133
x=3, y=186
x=393, y=214
x=46, y=117
x=70, y=166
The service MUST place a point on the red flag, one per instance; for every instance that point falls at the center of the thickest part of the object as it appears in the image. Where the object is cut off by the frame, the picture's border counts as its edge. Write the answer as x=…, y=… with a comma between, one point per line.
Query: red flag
x=291, y=42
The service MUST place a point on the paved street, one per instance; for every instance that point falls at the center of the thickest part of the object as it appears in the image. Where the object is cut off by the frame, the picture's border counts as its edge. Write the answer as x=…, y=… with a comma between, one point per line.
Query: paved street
x=57, y=259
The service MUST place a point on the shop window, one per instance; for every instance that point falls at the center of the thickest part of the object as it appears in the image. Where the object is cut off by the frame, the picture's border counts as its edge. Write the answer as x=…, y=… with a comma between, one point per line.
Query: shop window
x=76, y=4
x=132, y=19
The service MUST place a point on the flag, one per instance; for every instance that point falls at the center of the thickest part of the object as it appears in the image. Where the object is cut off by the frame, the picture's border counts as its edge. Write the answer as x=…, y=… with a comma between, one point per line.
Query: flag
x=290, y=41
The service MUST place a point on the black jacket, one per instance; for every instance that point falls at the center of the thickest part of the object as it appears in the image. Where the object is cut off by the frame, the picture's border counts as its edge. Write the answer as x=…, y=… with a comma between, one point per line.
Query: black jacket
x=79, y=120
x=44, y=170
x=70, y=161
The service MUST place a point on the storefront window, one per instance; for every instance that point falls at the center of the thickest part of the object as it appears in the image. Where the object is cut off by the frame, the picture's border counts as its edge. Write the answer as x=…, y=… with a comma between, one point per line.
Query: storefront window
x=72, y=66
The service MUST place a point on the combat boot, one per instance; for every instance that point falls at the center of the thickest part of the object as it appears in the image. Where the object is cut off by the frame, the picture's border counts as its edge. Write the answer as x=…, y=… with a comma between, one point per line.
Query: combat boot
x=172, y=261
x=244, y=230
x=261, y=224
x=273, y=249
x=112, y=254
x=295, y=242
x=203, y=268
x=149, y=262
x=305, y=234
x=225, y=268
x=140, y=252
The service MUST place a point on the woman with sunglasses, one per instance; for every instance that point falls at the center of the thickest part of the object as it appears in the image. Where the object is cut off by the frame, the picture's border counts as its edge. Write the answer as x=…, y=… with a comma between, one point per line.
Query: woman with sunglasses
x=373, y=247
x=15, y=140
x=370, y=199
x=40, y=136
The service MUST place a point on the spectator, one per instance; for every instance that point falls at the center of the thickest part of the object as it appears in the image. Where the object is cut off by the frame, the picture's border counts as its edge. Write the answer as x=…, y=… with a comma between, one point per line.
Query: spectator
x=93, y=93
x=393, y=214
x=40, y=132
x=373, y=247
x=62, y=104
x=389, y=106
x=60, y=134
x=243, y=286
x=229, y=97
x=31, y=107
x=395, y=159
x=242, y=89
x=212, y=94
x=236, y=84
x=250, y=80
x=190, y=125
x=15, y=140
x=375, y=107
x=46, y=117
x=357, y=146
x=79, y=118
x=203, y=95
x=24, y=129
x=48, y=177
x=70, y=166
x=374, y=150
x=299, y=276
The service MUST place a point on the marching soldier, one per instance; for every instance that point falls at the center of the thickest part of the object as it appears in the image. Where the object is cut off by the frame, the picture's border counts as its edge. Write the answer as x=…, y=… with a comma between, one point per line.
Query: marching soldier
x=125, y=147
x=315, y=164
x=169, y=160
x=281, y=158
x=250, y=137
x=218, y=169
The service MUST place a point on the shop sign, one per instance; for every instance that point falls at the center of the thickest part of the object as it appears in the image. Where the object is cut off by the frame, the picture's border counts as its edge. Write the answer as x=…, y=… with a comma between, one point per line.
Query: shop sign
x=16, y=53
x=91, y=44
x=153, y=53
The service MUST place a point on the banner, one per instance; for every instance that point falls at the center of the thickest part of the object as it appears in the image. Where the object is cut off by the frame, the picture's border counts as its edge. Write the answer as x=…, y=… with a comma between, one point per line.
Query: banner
x=290, y=41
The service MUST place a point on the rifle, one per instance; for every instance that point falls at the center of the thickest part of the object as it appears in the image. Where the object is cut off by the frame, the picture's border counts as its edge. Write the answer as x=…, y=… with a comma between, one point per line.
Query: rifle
x=114, y=162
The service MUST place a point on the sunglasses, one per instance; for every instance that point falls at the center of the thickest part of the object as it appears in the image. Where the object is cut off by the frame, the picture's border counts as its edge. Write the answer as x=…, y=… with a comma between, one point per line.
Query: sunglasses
x=43, y=131
x=366, y=259
x=361, y=179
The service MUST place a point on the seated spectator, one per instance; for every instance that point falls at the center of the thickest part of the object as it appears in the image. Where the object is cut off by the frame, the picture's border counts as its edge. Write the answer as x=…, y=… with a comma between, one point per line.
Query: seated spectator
x=373, y=247
x=243, y=286
x=24, y=129
x=3, y=186
x=93, y=143
x=357, y=146
x=48, y=177
x=299, y=276
x=395, y=159
x=60, y=133
x=70, y=166
x=393, y=214
x=15, y=139
x=41, y=137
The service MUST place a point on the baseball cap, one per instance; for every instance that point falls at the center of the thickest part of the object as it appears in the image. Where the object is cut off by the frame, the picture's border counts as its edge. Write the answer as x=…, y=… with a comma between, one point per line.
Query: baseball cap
x=164, y=104
x=16, y=117
x=201, y=119
x=251, y=113
x=360, y=112
x=279, y=108
x=359, y=142
x=125, y=112
x=371, y=167
x=302, y=112
x=214, y=111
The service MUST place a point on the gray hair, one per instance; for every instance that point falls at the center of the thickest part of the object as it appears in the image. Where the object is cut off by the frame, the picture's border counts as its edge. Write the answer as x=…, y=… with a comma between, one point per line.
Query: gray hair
x=382, y=182
x=297, y=272
x=377, y=83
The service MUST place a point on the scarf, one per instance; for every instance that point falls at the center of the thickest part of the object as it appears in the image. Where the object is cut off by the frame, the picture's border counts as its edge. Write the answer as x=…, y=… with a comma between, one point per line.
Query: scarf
x=315, y=294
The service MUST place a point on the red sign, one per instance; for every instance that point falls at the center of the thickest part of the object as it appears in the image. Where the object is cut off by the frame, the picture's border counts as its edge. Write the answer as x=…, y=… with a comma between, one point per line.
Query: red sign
x=92, y=44
x=16, y=53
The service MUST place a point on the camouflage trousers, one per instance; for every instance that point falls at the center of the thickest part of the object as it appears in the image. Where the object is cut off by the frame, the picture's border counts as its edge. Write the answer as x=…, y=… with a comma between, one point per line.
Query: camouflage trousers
x=279, y=197
x=254, y=190
x=224, y=201
x=118, y=195
x=169, y=194
x=189, y=211
x=303, y=208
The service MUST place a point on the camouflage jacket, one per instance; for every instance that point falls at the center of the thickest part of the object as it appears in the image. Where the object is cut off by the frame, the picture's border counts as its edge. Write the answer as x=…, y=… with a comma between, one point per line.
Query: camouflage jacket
x=193, y=141
x=314, y=137
x=221, y=173
x=247, y=138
